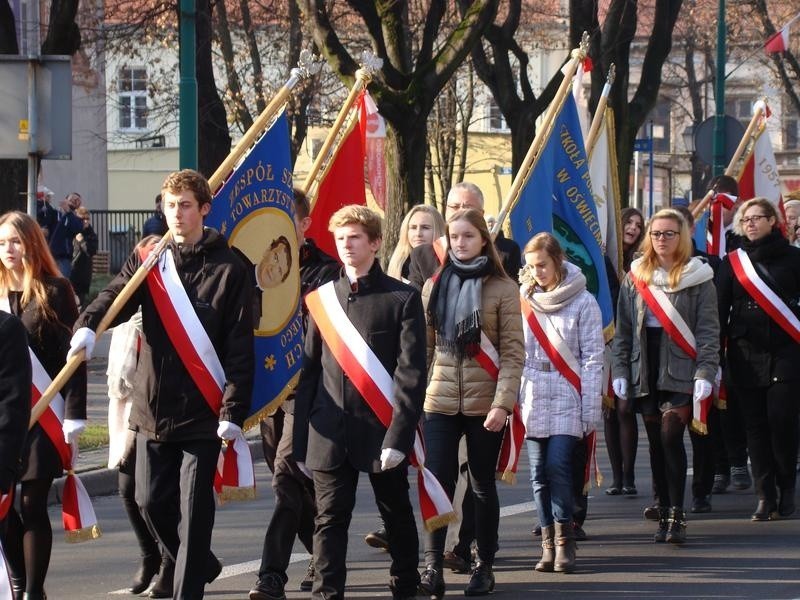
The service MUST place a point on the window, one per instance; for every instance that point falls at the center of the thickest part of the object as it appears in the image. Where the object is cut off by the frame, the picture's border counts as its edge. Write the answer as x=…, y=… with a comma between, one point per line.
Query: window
x=497, y=122
x=132, y=88
x=740, y=109
x=662, y=129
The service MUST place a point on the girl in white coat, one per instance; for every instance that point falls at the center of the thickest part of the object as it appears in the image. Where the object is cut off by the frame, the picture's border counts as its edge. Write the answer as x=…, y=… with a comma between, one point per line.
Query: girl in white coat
x=561, y=385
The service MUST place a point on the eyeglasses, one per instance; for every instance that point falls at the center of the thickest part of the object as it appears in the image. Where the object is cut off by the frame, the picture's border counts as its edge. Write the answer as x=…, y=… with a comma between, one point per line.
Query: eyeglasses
x=459, y=206
x=752, y=219
x=667, y=235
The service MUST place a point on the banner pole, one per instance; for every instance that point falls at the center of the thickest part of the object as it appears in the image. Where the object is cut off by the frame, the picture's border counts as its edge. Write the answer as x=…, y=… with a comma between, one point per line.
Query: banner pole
x=600, y=112
x=543, y=133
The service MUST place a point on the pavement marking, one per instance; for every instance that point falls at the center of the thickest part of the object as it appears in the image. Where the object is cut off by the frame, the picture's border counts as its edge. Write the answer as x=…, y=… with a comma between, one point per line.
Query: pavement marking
x=251, y=566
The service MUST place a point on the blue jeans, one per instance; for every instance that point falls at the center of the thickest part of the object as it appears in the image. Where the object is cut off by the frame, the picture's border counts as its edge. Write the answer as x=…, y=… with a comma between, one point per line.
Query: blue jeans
x=551, y=477
x=64, y=265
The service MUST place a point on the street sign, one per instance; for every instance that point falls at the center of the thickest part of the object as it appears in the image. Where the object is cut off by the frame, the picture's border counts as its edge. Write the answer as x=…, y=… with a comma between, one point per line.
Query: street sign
x=642, y=145
x=704, y=138
x=503, y=170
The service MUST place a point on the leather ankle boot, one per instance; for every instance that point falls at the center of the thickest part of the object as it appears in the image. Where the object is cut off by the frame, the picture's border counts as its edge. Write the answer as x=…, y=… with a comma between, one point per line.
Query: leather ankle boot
x=17, y=586
x=481, y=582
x=431, y=582
x=663, y=525
x=548, y=559
x=676, y=532
x=148, y=569
x=162, y=588
x=34, y=596
x=565, y=548
x=765, y=511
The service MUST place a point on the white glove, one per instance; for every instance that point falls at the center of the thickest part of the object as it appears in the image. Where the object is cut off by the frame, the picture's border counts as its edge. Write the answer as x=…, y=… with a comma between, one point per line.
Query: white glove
x=84, y=339
x=718, y=378
x=702, y=389
x=390, y=458
x=305, y=470
x=228, y=430
x=620, y=386
x=72, y=429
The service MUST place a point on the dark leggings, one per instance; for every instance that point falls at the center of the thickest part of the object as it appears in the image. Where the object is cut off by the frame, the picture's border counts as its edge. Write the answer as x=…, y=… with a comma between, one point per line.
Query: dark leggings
x=622, y=436
x=29, y=537
x=665, y=426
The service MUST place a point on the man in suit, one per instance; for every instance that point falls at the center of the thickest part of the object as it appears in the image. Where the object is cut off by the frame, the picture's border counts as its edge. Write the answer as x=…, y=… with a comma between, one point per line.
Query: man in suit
x=337, y=431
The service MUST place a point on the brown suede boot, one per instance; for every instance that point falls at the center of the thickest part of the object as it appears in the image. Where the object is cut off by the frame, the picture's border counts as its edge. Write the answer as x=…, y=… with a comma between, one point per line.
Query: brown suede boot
x=548, y=559
x=565, y=548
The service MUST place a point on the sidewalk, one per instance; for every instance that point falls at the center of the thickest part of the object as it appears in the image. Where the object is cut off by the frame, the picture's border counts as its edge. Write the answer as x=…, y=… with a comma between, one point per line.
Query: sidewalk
x=92, y=468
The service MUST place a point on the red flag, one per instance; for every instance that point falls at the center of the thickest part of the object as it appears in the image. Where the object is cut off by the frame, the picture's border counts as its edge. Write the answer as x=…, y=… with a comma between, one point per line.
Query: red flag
x=342, y=184
x=778, y=41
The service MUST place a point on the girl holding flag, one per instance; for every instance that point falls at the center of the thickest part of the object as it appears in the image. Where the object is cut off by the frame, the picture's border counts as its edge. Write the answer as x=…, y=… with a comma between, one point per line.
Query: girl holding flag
x=759, y=289
x=475, y=354
x=31, y=287
x=666, y=353
x=561, y=386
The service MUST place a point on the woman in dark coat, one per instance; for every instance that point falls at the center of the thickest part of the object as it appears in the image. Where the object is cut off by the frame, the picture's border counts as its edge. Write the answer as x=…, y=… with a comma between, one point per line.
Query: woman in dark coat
x=763, y=356
x=84, y=247
x=32, y=289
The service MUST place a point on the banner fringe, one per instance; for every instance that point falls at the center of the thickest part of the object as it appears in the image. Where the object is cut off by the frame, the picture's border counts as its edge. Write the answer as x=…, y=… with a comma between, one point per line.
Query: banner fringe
x=439, y=521
x=85, y=534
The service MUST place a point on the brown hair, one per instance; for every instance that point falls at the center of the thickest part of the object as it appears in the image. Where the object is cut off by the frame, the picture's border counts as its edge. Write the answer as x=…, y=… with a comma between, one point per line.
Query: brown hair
x=547, y=242
x=37, y=263
x=301, y=204
x=188, y=180
x=356, y=214
x=627, y=253
x=683, y=253
x=475, y=218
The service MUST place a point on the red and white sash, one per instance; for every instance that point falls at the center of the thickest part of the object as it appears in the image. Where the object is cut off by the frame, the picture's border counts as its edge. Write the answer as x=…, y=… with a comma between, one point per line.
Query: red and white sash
x=766, y=298
x=376, y=386
x=235, y=479
x=553, y=344
x=514, y=432
x=77, y=513
x=560, y=355
x=678, y=331
x=715, y=236
x=440, y=248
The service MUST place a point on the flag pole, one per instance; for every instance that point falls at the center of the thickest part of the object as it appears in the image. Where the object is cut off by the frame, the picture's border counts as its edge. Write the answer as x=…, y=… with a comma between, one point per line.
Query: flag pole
x=760, y=109
x=600, y=112
x=543, y=133
x=307, y=66
x=369, y=65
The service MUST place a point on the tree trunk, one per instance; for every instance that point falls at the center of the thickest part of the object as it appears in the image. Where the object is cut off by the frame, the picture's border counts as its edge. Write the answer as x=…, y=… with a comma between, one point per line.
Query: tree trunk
x=213, y=139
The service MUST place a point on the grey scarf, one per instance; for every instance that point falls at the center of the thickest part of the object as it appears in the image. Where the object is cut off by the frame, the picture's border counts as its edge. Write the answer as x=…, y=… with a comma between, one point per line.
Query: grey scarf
x=572, y=283
x=456, y=297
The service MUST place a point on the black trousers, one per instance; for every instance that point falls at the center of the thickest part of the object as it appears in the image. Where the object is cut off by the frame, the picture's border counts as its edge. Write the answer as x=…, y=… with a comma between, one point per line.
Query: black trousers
x=732, y=452
x=336, y=498
x=704, y=457
x=293, y=515
x=174, y=485
x=771, y=415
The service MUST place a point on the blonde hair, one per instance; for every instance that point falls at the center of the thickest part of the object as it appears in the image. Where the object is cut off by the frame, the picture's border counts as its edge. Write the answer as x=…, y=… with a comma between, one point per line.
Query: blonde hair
x=356, y=214
x=762, y=203
x=547, y=242
x=475, y=218
x=37, y=263
x=683, y=253
x=403, y=248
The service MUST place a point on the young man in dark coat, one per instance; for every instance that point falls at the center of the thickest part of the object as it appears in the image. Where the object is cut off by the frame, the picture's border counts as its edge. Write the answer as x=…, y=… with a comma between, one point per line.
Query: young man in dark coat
x=178, y=432
x=337, y=435
x=293, y=514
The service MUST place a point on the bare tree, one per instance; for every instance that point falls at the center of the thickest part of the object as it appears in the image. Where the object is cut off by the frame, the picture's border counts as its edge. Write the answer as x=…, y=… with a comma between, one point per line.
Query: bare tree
x=420, y=57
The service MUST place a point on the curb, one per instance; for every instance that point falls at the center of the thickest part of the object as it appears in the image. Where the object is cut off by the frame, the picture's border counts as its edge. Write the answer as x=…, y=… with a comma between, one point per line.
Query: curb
x=102, y=481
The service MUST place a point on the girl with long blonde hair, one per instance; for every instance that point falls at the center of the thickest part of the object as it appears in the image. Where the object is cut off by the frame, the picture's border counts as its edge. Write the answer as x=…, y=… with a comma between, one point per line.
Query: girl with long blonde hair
x=422, y=225
x=666, y=353
x=32, y=288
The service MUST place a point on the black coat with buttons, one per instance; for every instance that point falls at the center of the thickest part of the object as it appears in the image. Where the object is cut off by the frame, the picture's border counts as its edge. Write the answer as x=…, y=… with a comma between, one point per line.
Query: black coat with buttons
x=333, y=423
x=759, y=352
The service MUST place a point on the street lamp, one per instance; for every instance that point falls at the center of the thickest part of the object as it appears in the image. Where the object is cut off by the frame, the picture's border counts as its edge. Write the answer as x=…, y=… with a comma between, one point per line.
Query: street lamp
x=689, y=144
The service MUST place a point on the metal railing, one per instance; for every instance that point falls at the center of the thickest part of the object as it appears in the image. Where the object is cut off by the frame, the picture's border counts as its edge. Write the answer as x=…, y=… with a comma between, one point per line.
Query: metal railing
x=118, y=231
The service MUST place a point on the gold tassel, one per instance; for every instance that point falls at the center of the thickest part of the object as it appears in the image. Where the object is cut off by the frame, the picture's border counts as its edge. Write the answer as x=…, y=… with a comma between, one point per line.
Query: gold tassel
x=508, y=477
x=236, y=494
x=439, y=521
x=608, y=402
x=720, y=403
x=83, y=535
x=699, y=427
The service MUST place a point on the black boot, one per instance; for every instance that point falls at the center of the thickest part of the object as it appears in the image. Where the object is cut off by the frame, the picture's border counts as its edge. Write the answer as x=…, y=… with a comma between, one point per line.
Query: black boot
x=676, y=533
x=786, y=506
x=17, y=586
x=431, y=583
x=481, y=582
x=663, y=524
x=765, y=511
x=147, y=570
x=163, y=585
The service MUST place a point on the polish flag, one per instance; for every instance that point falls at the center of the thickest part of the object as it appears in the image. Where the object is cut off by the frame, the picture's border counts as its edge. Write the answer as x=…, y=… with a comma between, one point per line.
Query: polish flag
x=779, y=41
